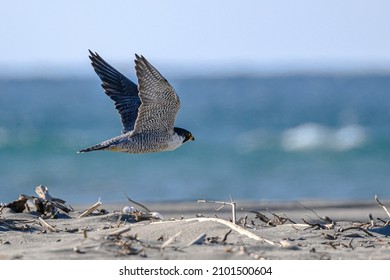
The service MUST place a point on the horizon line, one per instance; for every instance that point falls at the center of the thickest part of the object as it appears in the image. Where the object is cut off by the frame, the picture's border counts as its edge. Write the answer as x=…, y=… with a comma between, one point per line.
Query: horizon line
x=187, y=70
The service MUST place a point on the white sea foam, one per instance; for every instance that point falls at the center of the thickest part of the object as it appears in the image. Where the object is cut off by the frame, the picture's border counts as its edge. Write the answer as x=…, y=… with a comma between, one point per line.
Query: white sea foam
x=311, y=136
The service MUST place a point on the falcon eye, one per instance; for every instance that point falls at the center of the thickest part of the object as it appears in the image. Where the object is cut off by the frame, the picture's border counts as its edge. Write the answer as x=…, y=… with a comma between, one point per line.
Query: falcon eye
x=188, y=135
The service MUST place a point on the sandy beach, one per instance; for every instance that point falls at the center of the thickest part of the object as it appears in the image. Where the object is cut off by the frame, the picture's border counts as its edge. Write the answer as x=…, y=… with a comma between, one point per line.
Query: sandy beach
x=191, y=230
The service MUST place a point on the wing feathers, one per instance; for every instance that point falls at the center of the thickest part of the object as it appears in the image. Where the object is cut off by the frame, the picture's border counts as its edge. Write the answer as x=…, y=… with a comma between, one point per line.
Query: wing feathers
x=160, y=102
x=152, y=106
x=120, y=89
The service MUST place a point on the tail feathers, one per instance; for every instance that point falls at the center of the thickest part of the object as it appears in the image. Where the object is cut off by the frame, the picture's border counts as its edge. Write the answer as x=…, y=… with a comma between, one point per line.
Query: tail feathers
x=94, y=148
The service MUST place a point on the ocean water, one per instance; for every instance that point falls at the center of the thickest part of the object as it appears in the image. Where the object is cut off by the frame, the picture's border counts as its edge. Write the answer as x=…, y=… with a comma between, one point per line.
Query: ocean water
x=282, y=137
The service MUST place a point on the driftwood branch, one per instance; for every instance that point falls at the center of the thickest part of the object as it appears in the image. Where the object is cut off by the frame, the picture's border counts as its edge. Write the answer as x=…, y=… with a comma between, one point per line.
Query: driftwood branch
x=47, y=225
x=44, y=203
x=91, y=209
x=120, y=231
x=263, y=218
x=170, y=240
x=279, y=220
x=381, y=205
x=52, y=203
x=18, y=205
x=137, y=203
x=232, y=204
x=235, y=227
x=356, y=228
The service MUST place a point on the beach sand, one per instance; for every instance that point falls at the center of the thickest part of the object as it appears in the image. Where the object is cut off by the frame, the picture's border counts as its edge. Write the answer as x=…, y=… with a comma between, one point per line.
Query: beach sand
x=191, y=230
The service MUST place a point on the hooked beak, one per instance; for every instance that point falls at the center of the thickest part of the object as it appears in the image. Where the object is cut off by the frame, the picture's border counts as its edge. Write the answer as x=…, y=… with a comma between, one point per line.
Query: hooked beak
x=189, y=138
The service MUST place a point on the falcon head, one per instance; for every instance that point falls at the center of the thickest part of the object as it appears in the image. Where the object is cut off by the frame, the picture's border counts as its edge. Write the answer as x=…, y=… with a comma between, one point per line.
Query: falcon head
x=184, y=133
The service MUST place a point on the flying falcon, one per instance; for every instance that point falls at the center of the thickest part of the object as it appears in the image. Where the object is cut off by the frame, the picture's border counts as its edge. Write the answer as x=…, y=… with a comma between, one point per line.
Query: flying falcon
x=147, y=112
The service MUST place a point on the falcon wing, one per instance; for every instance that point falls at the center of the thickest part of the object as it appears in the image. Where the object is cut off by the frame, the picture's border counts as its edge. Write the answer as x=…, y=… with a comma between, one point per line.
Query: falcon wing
x=120, y=89
x=160, y=102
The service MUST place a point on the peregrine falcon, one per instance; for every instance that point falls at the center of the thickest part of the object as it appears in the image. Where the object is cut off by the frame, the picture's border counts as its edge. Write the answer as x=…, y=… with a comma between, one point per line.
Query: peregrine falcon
x=147, y=112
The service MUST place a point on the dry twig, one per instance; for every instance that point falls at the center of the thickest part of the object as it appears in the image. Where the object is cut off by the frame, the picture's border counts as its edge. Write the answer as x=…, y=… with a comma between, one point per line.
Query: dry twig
x=137, y=203
x=279, y=220
x=356, y=228
x=237, y=228
x=120, y=231
x=264, y=218
x=225, y=236
x=381, y=205
x=90, y=209
x=318, y=225
x=232, y=204
x=47, y=225
x=170, y=240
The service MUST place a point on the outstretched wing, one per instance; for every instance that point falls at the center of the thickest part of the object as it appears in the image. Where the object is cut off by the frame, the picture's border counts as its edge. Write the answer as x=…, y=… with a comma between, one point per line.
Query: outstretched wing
x=120, y=89
x=160, y=102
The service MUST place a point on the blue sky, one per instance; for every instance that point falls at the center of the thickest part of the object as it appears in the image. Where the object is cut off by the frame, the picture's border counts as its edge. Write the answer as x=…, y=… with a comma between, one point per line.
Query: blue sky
x=201, y=33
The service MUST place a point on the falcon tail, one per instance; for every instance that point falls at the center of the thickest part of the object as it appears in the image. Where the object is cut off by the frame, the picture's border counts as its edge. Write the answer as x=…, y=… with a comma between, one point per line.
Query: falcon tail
x=94, y=148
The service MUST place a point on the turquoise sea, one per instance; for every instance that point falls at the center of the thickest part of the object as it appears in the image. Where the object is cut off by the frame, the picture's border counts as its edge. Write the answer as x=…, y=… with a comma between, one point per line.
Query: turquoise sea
x=275, y=137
